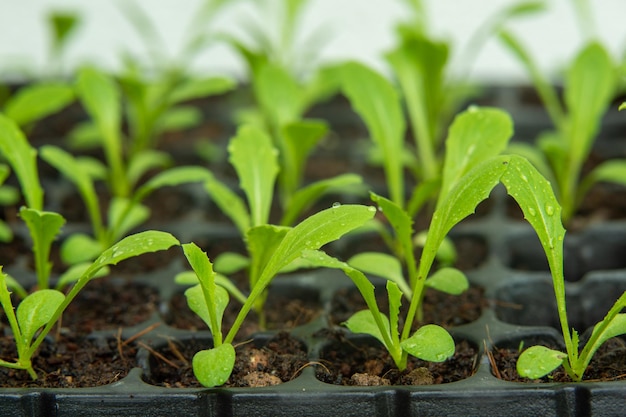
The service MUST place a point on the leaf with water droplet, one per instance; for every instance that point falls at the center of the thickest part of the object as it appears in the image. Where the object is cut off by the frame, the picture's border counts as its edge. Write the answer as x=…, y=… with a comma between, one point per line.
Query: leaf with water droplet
x=213, y=367
x=538, y=361
x=431, y=343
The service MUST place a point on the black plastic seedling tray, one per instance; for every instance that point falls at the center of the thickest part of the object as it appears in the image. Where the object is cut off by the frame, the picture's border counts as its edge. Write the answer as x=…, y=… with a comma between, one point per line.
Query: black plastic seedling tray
x=481, y=394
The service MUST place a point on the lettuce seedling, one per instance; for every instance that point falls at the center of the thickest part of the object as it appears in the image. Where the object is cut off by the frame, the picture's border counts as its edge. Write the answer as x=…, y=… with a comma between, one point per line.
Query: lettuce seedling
x=431, y=92
x=123, y=214
x=282, y=247
x=277, y=72
x=431, y=342
x=588, y=90
x=538, y=361
x=37, y=313
x=43, y=226
x=255, y=160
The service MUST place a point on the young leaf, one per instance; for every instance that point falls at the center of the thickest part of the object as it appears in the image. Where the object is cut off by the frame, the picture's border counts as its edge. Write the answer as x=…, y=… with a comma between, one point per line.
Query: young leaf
x=448, y=280
x=256, y=162
x=538, y=361
x=144, y=161
x=36, y=310
x=44, y=226
x=76, y=271
x=278, y=93
x=201, y=87
x=306, y=196
x=363, y=322
x=394, y=295
x=300, y=138
x=206, y=299
x=377, y=102
x=73, y=170
x=100, y=96
x=171, y=178
x=431, y=343
x=262, y=242
x=213, y=367
x=199, y=305
x=79, y=247
x=312, y=233
x=23, y=160
x=590, y=85
x=37, y=101
x=382, y=265
x=133, y=245
x=475, y=136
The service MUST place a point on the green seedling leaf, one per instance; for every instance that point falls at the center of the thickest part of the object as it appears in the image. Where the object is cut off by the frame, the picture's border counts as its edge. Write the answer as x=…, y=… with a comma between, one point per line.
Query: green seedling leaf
x=37, y=101
x=278, y=93
x=363, y=322
x=475, y=136
x=459, y=203
x=101, y=98
x=37, y=310
x=374, y=98
x=23, y=160
x=201, y=87
x=419, y=64
x=379, y=323
x=13, y=285
x=382, y=265
x=190, y=278
x=430, y=343
x=538, y=361
x=306, y=196
x=179, y=118
x=79, y=248
x=535, y=155
x=44, y=226
x=256, y=161
x=300, y=138
x=228, y=263
x=198, y=304
x=134, y=245
x=423, y=192
x=400, y=221
x=207, y=300
x=311, y=234
x=394, y=295
x=213, y=367
x=125, y=216
x=590, y=85
x=84, y=135
x=229, y=203
x=622, y=106
x=144, y=161
x=171, y=178
x=613, y=171
x=76, y=172
x=448, y=280
x=6, y=234
x=74, y=273
x=262, y=242
x=535, y=197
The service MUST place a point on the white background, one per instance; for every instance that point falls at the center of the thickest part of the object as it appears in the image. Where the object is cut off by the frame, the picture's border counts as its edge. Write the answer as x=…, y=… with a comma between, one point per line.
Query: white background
x=360, y=29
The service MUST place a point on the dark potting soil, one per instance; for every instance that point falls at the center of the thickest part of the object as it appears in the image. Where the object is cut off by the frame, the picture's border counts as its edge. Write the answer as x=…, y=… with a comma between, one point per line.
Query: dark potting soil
x=347, y=363
x=282, y=313
x=105, y=304
x=280, y=360
x=70, y=362
x=608, y=364
x=443, y=309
